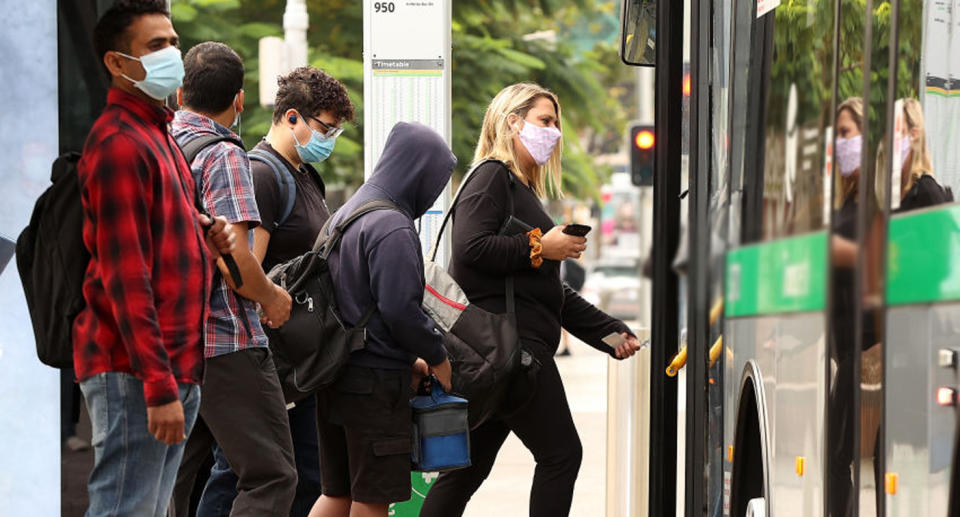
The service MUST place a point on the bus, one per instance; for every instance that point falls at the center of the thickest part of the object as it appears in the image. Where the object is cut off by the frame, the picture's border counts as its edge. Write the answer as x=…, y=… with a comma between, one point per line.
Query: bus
x=822, y=308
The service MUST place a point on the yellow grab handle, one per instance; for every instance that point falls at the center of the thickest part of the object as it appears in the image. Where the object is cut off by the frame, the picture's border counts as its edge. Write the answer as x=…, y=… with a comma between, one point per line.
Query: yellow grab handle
x=715, y=351
x=715, y=311
x=679, y=361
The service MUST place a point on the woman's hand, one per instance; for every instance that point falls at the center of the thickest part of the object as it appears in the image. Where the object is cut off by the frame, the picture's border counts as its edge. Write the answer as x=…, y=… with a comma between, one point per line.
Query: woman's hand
x=559, y=246
x=628, y=347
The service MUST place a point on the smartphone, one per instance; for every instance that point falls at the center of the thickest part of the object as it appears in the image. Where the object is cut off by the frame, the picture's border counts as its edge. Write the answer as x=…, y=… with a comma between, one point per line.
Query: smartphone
x=613, y=340
x=578, y=230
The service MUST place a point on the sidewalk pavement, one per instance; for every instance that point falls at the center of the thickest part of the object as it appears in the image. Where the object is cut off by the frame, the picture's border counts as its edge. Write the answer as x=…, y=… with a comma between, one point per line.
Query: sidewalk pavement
x=506, y=492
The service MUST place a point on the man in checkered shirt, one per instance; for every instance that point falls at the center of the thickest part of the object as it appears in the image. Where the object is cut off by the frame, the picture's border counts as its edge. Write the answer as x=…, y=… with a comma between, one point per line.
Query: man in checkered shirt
x=242, y=407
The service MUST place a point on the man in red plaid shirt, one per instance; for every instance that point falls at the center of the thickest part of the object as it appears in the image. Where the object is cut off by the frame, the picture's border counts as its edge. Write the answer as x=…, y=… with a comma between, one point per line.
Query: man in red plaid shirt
x=138, y=350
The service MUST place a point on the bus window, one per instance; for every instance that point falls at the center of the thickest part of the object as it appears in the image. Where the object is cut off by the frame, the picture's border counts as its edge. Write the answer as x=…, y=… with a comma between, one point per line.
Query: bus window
x=920, y=289
x=924, y=158
x=786, y=147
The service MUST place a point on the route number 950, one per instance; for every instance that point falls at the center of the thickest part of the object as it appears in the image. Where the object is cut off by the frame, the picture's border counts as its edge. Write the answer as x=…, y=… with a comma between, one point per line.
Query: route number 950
x=383, y=7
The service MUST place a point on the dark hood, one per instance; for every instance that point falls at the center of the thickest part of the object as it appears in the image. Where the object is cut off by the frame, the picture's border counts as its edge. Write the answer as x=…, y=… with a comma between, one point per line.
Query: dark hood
x=414, y=167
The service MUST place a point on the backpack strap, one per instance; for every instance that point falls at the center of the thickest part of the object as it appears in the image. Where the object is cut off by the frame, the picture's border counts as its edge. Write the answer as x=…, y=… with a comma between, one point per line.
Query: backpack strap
x=453, y=204
x=509, y=291
x=194, y=147
x=327, y=243
x=509, y=295
x=190, y=151
x=286, y=181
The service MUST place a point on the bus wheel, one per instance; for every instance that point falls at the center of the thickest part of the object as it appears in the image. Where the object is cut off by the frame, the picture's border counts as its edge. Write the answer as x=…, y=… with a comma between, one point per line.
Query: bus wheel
x=748, y=484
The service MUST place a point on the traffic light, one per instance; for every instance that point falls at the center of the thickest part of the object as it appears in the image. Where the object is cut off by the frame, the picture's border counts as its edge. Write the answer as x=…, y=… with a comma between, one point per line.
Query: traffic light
x=642, y=143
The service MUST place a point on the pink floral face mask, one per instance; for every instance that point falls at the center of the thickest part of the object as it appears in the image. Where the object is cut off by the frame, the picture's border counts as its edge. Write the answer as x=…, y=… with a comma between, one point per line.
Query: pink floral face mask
x=848, y=154
x=539, y=141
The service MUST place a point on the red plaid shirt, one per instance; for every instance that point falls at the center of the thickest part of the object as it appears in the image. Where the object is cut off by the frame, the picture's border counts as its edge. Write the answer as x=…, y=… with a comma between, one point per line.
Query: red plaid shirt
x=148, y=281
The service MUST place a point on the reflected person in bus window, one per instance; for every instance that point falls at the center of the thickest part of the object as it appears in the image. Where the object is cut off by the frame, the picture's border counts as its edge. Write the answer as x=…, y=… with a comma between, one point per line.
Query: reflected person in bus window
x=844, y=251
x=521, y=139
x=849, y=147
x=918, y=187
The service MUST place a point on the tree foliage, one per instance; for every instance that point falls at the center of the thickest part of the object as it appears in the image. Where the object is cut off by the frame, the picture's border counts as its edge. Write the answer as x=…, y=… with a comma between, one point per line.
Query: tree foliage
x=495, y=43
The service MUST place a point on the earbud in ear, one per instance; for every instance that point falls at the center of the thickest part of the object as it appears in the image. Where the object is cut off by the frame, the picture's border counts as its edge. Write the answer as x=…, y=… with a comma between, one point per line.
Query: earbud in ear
x=293, y=119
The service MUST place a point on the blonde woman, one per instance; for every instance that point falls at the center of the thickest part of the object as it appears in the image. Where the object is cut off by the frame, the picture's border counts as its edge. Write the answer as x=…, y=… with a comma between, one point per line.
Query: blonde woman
x=521, y=133
x=918, y=187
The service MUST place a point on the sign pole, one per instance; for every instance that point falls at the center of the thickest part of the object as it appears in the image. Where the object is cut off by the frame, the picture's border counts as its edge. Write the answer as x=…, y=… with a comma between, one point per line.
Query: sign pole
x=406, y=72
x=406, y=78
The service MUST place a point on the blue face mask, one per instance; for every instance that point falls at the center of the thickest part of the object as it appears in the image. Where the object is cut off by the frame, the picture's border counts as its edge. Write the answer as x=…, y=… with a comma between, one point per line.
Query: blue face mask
x=317, y=149
x=164, y=70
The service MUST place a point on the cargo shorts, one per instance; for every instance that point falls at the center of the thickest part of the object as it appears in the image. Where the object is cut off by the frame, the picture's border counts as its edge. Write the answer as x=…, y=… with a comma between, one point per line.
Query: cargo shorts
x=365, y=430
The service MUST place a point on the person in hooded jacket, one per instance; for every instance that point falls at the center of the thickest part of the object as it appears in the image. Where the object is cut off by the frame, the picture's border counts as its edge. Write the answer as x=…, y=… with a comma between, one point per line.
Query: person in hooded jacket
x=519, y=154
x=365, y=417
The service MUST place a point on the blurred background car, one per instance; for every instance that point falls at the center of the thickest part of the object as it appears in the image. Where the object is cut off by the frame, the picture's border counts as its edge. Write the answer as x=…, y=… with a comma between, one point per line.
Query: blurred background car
x=613, y=285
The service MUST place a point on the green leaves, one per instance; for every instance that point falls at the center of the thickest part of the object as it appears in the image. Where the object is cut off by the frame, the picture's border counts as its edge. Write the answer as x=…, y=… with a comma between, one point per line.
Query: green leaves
x=495, y=43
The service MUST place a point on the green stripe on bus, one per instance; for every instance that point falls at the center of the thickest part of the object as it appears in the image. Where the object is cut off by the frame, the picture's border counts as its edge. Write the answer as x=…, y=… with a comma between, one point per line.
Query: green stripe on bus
x=787, y=275
x=922, y=257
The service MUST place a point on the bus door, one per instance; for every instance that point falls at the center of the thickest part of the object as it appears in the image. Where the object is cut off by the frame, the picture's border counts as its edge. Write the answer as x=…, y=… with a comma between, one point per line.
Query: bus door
x=778, y=136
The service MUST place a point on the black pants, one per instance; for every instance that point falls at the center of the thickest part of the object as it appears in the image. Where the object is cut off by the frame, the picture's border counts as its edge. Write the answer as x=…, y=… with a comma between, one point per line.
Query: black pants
x=242, y=405
x=545, y=426
x=220, y=489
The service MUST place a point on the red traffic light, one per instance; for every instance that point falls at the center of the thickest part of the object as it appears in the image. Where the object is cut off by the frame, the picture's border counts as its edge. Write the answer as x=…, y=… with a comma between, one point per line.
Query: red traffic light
x=687, y=86
x=644, y=139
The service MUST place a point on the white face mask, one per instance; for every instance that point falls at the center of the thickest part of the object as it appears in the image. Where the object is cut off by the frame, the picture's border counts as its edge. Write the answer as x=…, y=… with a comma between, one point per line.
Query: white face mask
x=539, y=141
x=164, y=72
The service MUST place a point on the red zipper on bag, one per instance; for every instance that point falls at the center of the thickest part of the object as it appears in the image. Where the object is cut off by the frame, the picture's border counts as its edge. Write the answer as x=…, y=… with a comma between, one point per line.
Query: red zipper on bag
x=444, y=299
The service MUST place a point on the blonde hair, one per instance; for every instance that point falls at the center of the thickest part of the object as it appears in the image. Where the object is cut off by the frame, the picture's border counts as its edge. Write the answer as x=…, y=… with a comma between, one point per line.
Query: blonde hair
x=848, y=184
x=496, y=135
x=920, y=162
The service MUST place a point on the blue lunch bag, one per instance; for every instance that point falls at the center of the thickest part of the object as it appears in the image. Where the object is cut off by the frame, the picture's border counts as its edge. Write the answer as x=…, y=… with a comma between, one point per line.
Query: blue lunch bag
x=441, y=430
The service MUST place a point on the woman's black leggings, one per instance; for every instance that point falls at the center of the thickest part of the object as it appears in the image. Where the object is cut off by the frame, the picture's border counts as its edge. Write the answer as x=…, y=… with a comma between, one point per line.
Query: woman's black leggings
x=545, y=426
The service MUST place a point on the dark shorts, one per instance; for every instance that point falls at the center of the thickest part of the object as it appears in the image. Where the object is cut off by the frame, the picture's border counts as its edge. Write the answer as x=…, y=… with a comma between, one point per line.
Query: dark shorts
x=365, y=435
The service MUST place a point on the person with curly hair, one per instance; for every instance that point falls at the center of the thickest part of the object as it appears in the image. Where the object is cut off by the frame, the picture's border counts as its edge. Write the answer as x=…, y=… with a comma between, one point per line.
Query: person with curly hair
x=309, y=112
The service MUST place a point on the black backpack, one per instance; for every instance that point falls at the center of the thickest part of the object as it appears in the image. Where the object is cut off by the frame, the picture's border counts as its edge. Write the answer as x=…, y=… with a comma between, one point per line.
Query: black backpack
x=52, y=258
x=52, y=261
x=313, y=345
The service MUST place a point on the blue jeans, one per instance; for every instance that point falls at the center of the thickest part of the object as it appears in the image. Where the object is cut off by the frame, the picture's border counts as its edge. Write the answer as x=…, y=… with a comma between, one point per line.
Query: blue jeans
x=133, y=473
x=221, y=487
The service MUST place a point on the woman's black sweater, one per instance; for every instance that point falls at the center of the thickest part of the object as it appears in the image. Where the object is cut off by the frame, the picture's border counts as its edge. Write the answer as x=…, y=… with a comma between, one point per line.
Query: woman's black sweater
x=483, y=259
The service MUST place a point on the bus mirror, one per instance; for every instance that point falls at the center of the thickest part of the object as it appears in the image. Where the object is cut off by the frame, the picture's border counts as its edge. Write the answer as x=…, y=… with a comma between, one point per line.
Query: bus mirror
x=638, y=32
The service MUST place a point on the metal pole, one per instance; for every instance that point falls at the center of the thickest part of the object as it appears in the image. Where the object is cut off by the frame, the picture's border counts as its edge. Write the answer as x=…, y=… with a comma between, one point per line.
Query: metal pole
x=699, y=276
x=666, y=236
x=645, y=94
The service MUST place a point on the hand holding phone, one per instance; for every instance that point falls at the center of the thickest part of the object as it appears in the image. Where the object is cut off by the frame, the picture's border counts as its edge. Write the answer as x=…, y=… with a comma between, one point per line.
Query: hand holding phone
x=577, y=230
x=560, y=244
